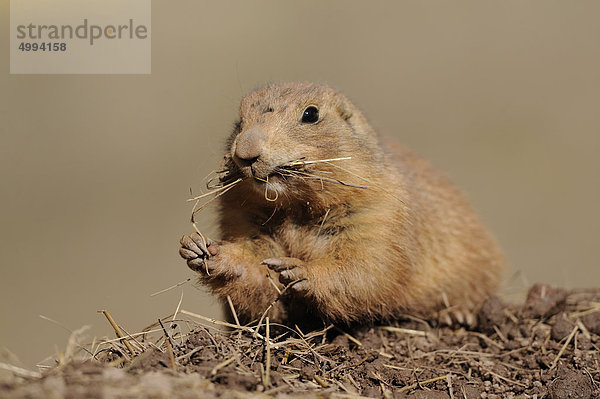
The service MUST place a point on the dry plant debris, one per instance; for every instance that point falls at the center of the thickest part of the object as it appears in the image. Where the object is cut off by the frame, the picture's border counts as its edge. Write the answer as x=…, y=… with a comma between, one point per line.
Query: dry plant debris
x=544, y=348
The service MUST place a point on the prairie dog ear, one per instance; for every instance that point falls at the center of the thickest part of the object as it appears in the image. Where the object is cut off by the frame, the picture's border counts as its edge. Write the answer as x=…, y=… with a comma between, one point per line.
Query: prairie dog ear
x=343, y=107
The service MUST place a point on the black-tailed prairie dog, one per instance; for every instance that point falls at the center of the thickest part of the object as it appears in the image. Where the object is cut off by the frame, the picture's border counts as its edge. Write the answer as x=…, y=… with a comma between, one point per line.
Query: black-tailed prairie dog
x=322, y=220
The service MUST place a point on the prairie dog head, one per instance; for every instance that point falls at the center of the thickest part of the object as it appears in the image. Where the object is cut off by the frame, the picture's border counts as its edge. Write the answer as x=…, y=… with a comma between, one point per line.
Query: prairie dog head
x=289, y=123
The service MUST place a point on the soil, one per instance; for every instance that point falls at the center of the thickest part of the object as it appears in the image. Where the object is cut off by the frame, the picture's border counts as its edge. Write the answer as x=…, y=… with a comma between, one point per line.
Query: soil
x=547, y=347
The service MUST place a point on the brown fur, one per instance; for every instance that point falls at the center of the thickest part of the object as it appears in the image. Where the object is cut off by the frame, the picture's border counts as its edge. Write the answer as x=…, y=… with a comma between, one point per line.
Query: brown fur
x=406, y=244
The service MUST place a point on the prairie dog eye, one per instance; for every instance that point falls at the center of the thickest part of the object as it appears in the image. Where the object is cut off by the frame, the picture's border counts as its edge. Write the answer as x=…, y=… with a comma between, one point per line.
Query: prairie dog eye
x=310, y=115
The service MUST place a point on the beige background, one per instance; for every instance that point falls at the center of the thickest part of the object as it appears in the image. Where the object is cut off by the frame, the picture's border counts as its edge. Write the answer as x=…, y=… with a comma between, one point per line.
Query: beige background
x=95, y=170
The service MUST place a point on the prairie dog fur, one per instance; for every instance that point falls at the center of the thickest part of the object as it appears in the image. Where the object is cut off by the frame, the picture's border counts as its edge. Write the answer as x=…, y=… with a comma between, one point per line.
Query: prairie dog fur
x=373, y=233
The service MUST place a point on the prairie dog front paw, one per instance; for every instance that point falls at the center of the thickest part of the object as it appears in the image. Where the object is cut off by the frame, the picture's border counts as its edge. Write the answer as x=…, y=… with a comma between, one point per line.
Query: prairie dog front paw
x=291, y=271
x=197, y=249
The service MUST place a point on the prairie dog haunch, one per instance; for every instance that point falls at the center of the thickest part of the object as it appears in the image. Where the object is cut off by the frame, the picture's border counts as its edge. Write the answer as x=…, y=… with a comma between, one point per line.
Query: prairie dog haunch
x=358, y=230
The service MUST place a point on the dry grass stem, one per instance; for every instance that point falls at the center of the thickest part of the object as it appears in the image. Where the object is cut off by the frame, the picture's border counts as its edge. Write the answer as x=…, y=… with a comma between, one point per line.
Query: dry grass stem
x=268, y=356
x=594, y=309
x=368, y=181
x=233, y=312
x=117, y=331
x=290, y=169
x=323, y=222
x=204, y=241
x=267, y=186
x=179, y=284
x=221, y=323
x=321, y=381
x=505, y=378
x=500, y=335
x=304, y=174
x=21, y=372
x=115, y=340
x=449, y=383
x=215, y=190
x=221, y=365
x=273, y=283
x=219, y=192
x=301, y=162
x=169, y=345
x=421, y=383
x=486, y=339
x=178, y=307
x=132, y=340
x=262, y=317
x=55, y=322
x=564, y=347
x=583, y=329
x=405, y=331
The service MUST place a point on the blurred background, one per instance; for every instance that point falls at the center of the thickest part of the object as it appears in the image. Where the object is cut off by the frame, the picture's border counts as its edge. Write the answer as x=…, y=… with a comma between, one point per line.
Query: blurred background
x=95, y=170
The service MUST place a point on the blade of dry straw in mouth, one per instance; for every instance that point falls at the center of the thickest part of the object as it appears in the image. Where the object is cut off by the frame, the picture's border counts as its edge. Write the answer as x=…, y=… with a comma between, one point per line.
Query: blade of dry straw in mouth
x=300, y=162
x=268, y=184
x=367, y=180
x=322, y=178
x=216, y=190
x=219, y=192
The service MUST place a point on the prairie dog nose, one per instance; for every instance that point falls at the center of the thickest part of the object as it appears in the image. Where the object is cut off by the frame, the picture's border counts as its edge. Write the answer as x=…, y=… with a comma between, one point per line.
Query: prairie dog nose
x=249, y=144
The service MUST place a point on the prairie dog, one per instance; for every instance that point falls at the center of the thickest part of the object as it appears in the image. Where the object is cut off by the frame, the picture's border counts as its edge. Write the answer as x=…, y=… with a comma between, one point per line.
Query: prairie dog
x=357, y=230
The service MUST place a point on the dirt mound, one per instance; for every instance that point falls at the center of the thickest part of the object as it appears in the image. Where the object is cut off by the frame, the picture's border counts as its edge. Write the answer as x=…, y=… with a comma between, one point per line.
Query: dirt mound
x=546, y=347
